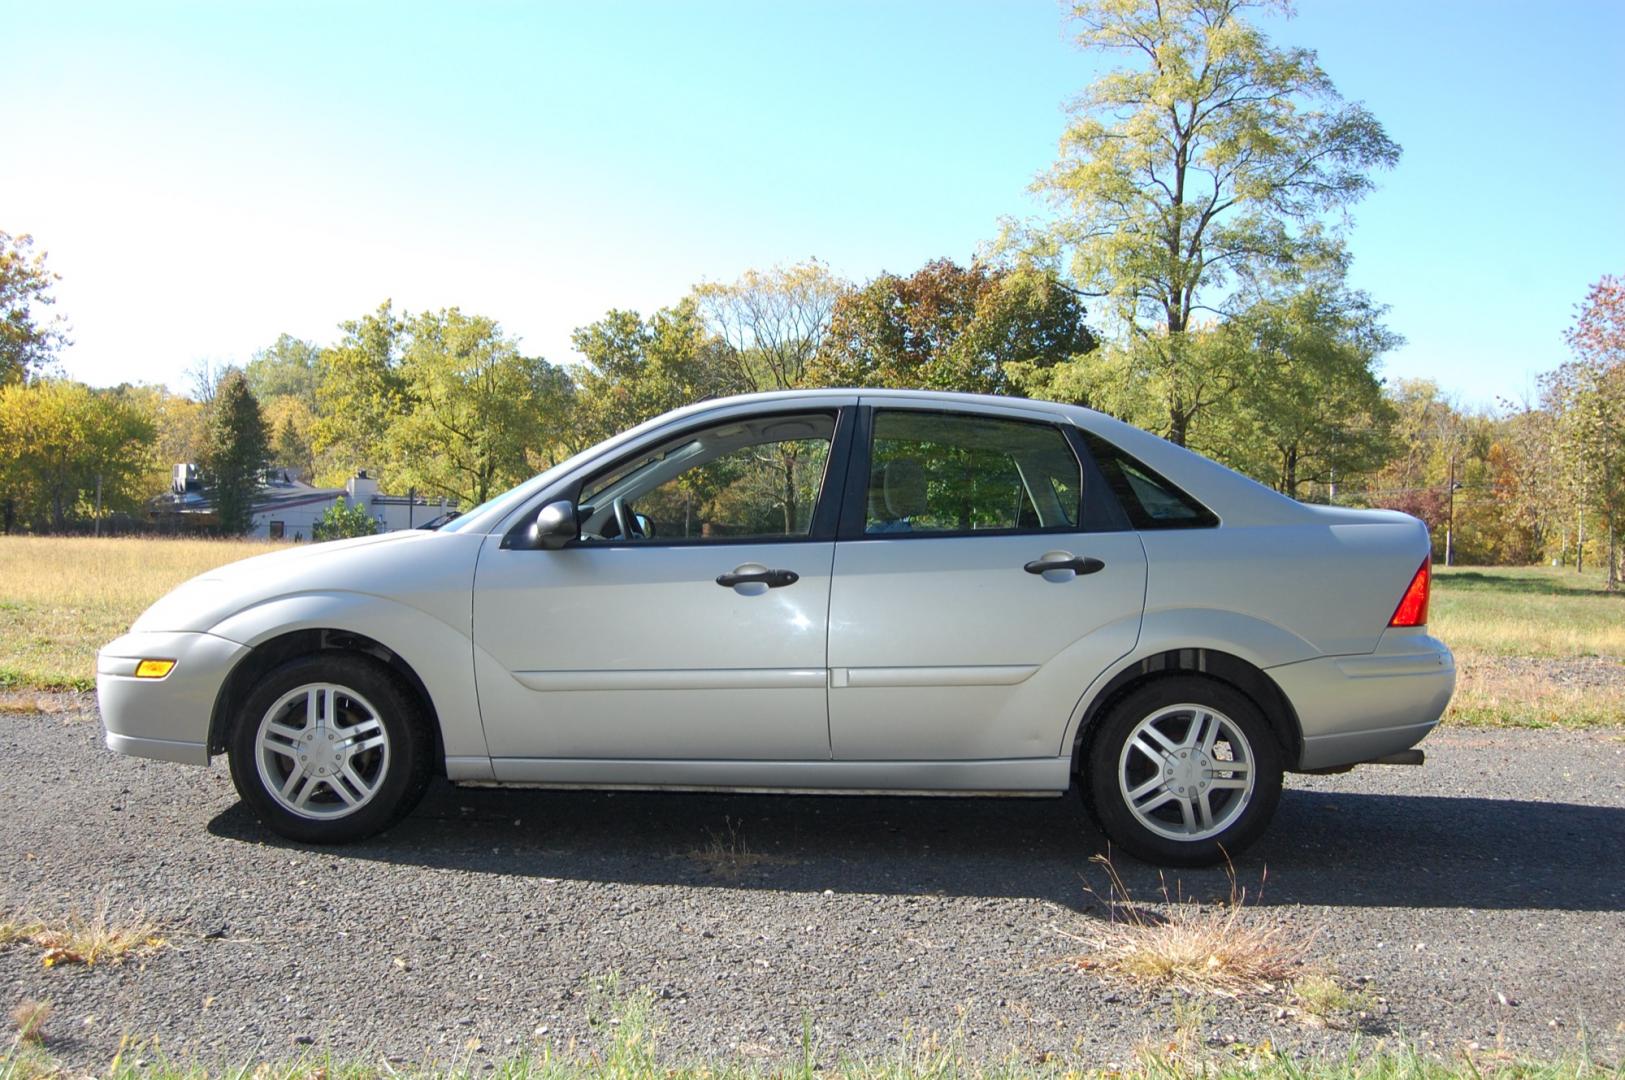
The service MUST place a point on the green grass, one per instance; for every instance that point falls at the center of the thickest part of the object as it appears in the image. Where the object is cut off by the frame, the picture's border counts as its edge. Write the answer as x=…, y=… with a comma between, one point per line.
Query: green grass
x=627, y=1050
x=31, y=1062
x=35, y=1065
x=1527, y=611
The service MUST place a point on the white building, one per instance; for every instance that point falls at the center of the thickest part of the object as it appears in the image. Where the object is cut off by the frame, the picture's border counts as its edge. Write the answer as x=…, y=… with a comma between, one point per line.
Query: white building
x=286, y=508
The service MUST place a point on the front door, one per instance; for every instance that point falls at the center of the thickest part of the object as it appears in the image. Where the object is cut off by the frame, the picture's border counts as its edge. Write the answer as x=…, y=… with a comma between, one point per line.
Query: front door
x=978, y=588
x=687, y=623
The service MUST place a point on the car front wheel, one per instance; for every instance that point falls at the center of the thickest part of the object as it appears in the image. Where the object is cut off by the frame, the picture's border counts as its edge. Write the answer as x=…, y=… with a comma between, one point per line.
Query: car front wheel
x=330, y=749
x=1184, y=771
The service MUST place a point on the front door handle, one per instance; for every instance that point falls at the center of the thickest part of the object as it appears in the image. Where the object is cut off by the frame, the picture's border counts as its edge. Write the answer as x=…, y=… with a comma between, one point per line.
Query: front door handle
x=773, y=579
x=1078, y=564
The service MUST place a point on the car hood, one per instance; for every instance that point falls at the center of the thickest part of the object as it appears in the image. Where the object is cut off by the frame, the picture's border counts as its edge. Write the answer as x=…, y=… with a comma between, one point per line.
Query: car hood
x=397, y=564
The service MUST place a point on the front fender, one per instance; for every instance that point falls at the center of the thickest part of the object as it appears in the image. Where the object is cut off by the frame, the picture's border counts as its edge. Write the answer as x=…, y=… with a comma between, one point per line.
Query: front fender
x=440, y=654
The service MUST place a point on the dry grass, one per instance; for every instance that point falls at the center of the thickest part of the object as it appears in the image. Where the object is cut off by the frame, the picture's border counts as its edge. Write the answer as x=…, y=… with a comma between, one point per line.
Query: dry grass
x=28, y=1018
x=1535, y=646
x=100, y=938
x=1191, y=947
x=62, y=598
x=726, y=855
x=1324, y=1000
x=1489, y=694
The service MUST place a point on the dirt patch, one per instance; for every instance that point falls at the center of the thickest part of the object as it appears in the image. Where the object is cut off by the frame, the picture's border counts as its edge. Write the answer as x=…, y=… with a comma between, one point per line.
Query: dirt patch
x=1578, y=673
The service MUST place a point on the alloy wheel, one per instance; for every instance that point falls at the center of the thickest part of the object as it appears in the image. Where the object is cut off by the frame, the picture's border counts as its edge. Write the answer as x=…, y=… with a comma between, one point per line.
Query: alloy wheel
x=1186, y=772
x=322, y=751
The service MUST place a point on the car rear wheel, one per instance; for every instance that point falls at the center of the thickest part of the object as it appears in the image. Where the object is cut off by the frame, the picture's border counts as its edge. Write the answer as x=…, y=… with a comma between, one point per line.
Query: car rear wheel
x=330, y=748
x=1184, y=771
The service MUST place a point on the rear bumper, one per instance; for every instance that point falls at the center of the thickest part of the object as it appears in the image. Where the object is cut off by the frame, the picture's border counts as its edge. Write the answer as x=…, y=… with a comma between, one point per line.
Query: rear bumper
x=1355, y=708
x=165, y=718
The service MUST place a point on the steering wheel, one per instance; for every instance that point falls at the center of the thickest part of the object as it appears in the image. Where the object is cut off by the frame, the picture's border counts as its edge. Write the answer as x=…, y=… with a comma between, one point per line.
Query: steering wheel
x=627, y=521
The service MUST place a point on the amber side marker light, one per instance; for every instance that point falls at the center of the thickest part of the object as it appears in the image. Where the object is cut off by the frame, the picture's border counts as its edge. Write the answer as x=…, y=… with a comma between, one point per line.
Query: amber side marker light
x=153, y=669
x=1413, y=606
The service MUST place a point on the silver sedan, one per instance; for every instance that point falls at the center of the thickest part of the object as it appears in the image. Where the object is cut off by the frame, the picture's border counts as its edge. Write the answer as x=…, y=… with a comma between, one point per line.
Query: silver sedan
x=816, y=591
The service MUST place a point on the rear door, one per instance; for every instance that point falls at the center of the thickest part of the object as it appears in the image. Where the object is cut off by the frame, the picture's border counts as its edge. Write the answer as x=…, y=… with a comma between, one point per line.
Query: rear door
x=981, y=580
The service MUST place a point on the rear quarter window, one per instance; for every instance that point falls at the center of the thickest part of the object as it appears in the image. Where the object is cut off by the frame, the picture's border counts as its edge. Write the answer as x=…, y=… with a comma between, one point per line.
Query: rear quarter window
x=1150, y=500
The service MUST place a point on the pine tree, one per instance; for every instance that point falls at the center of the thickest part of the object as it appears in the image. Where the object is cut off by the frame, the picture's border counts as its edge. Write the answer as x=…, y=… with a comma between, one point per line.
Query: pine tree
x=292, y=449
x=236, y=449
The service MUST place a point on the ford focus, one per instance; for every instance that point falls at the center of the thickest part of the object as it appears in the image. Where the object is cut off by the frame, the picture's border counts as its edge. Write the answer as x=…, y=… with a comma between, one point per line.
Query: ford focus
x=816, y=591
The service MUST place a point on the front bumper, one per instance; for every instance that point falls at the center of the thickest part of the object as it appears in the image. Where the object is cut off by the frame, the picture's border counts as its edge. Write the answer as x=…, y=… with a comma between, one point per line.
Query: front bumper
x=1356, y=708
x=165, y=718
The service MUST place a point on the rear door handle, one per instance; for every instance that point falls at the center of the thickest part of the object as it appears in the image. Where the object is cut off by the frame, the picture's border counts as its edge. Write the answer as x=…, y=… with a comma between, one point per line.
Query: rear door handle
x=773, y=579
x=1078, y=564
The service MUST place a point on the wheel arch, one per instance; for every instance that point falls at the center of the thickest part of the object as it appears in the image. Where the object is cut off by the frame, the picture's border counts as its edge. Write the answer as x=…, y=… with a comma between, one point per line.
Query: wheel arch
x=432, y=658
x=273, y=653
x=1227, y=668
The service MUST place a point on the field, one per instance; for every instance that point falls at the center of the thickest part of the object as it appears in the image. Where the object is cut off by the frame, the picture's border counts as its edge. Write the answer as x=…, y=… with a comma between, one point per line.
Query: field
x=63, y=598
x=1537, y=646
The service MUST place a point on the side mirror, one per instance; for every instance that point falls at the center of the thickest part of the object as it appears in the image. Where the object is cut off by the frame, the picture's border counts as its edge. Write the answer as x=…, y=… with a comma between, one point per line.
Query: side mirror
x=555, y=526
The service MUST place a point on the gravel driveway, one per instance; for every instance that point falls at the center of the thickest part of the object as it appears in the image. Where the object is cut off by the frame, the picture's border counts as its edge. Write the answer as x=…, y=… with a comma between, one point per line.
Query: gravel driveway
x=1482, y=896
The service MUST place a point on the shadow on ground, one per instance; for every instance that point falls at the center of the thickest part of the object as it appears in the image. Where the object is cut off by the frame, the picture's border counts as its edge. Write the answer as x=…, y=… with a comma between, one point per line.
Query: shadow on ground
x=1476, y=581
x=1325, y=848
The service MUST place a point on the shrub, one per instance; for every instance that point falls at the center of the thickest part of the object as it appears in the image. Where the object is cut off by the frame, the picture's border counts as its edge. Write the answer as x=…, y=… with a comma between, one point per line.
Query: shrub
x=342, y=520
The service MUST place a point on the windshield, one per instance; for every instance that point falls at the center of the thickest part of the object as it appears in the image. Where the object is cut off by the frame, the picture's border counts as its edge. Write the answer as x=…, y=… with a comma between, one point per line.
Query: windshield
x=460, y=520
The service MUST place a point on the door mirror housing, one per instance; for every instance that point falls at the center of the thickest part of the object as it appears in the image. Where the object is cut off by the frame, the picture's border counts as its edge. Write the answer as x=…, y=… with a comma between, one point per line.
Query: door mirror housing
x=556, y=524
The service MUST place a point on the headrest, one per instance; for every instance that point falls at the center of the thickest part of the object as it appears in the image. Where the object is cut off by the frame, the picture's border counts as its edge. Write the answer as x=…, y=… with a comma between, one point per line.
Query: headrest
x=904, y=487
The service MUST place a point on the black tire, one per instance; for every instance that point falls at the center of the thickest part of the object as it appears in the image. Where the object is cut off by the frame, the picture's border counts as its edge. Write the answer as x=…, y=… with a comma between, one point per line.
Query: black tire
x=1249, y=810
x=397, y=771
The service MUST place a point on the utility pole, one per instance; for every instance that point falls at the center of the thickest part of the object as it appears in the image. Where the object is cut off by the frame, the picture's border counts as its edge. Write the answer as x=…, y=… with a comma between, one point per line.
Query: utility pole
x=98, y=504
x=1450, y=524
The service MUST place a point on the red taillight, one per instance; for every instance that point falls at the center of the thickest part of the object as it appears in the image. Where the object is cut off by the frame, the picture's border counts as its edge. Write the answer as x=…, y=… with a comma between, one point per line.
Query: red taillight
x=1413, y=606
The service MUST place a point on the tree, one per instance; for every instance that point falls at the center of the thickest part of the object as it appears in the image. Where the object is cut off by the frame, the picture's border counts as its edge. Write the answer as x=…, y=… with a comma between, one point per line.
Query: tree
x=359, y=394
x=773, y=321
x=976, y=329
x=286, y=368
x=236, y=450
x=290, y=450
x=28, y=340
x=1213, y=158
x=471, y=407
x=178, y=425
x=637, y=369
x=57, y=439
x=1587, y=396
x=205, y=376
x=343, y=520
x=1309, y=407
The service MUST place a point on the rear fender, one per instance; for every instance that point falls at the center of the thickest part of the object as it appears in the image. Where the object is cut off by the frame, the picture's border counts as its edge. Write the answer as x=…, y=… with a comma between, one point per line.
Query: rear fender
x=1256, y=643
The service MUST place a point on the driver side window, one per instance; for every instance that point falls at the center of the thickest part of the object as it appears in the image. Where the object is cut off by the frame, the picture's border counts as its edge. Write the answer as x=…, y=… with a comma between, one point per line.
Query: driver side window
x=753, y=479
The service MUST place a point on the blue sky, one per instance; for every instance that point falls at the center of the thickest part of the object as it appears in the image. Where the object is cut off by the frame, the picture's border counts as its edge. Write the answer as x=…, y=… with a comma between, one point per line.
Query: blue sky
x=206, y=176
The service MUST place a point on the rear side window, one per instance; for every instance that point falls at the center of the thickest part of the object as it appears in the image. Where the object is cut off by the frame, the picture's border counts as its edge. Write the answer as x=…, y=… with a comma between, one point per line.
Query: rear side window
x=1150, y=500
x=937, y=473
